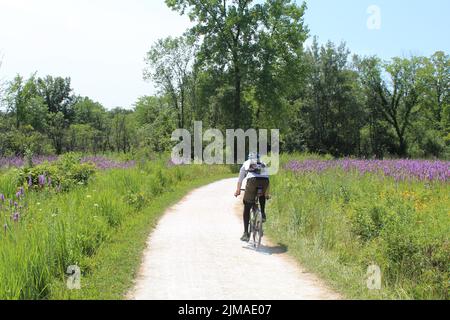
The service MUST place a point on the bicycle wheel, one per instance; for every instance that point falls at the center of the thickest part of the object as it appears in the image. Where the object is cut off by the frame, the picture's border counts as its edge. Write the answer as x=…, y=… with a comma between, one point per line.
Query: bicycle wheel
x=251, y=225
x=259, y=233
x=253, y=230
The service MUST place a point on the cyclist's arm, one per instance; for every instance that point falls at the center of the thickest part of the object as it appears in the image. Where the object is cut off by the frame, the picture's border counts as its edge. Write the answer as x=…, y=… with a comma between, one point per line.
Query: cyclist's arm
x=242, y=175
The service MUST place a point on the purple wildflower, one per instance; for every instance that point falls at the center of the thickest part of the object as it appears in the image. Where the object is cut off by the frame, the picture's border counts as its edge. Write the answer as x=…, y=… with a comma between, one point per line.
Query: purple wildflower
x=103, y=163
x=400, y=170
x=41, y=180
x=2, y=197
x=17, y=162
x=30, y=181
x=16, y=216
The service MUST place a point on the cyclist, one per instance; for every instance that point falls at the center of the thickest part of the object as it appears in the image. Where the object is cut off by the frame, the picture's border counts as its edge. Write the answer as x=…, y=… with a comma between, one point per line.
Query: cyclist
x=255, y=171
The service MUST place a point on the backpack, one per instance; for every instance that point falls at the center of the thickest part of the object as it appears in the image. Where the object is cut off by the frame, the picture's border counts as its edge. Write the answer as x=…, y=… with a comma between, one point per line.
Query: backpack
x=256, y=167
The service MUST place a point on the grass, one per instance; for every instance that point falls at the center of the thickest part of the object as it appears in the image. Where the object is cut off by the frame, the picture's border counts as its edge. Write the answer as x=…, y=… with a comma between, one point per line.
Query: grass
x=101, y=227
x=337, y=224
x=117, y=261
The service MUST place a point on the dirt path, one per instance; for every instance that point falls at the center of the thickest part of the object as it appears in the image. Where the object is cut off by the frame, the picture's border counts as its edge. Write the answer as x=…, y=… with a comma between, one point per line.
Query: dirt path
x=195, y=254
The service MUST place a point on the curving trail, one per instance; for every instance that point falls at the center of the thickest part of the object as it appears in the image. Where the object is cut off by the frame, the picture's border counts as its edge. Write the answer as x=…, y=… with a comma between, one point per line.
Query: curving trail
x=195, y=254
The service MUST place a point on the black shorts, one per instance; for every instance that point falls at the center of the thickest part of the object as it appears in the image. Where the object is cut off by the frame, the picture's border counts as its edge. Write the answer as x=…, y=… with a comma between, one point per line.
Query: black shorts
x=252, y=188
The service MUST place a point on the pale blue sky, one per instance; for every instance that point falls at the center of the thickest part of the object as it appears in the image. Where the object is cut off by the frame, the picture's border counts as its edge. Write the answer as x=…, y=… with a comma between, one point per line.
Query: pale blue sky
x=101, y=44
x=407, y=26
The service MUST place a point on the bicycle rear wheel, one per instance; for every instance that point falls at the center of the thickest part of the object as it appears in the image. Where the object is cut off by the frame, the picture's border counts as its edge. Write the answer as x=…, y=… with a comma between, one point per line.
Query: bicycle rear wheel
x=254, y=231
x=259, y=233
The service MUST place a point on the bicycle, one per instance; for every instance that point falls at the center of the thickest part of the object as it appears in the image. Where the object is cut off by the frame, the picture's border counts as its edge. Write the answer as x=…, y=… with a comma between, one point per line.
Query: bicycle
x=256, y=221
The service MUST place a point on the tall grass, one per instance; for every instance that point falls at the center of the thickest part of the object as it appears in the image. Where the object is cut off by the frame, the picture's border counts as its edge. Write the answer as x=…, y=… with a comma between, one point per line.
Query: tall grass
x=59, y=230
x=338, y=223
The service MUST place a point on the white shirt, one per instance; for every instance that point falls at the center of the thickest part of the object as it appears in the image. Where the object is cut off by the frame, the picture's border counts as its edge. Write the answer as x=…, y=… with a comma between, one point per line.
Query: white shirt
x=245, y=172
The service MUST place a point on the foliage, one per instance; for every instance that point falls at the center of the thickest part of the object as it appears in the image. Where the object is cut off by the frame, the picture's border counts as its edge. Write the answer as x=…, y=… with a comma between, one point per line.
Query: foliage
x=157, y=122
x=254, y=48
x=169, y=63
x=55, y=231
x=243, y=64
x=340, y=221
x=62, y=175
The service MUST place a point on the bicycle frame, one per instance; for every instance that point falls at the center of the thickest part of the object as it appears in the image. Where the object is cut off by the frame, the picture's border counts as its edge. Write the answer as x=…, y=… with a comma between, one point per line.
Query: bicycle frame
x=256, y=224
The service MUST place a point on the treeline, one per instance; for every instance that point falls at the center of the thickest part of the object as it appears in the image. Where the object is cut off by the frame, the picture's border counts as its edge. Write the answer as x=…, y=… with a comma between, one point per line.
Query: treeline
x=44, y=116
x=244, y=65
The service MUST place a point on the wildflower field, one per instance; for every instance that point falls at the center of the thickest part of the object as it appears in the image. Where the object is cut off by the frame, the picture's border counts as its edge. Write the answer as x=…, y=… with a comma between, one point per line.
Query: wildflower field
x=341, y=216
x=337, y=217
x=92, y=212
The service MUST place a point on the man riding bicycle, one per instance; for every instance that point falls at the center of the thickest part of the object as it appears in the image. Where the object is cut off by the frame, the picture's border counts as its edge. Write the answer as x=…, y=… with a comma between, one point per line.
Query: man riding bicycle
x=257, y=177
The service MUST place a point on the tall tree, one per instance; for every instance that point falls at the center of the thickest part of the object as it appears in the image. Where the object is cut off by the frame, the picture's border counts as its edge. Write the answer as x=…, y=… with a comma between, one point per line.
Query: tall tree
x=1, y=87
x=121, y=129
x=94, y=115
x=332, y=111
x=56, y=130
x=57, y=94
x=169, y=64
x=156, y=122
x=236, y=35
x=435, y=87
x=19, y=95
x=394, y=90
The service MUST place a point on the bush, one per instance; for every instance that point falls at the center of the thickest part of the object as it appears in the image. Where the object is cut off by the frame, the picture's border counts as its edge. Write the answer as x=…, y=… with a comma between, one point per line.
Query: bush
x=61, y=175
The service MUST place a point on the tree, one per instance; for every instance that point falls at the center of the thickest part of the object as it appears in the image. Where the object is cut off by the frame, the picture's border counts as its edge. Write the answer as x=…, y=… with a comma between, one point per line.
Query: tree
x=80, y=137
x=18, y=97
x=435, y=88
x=56, y=130
x=57, y=94
x=1, y=87
x=331, y=114
x=235, y=36
x=122, y=129
x=169, y=62
x=396, y=98
x=93, y=114
x=156, y=122
x=280, y=70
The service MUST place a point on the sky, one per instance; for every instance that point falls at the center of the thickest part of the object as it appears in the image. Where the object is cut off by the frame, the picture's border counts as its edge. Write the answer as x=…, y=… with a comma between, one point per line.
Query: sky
x=419, y=27
x=101, y=44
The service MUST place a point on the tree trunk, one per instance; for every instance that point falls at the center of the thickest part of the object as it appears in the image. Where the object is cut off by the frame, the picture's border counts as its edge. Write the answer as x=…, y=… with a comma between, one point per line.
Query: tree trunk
x=182, y=109
x=237, y=96
x=401, y=151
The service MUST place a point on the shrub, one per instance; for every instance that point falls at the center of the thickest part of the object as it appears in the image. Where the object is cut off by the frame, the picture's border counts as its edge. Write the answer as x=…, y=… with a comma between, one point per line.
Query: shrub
x=62, y=175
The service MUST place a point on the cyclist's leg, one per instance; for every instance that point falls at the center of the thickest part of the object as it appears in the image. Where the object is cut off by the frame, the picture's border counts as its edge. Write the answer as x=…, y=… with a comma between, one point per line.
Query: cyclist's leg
x=262, y=203
x=262, y=200
x=250, y=191
x=247, y=208
x=249, y=200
